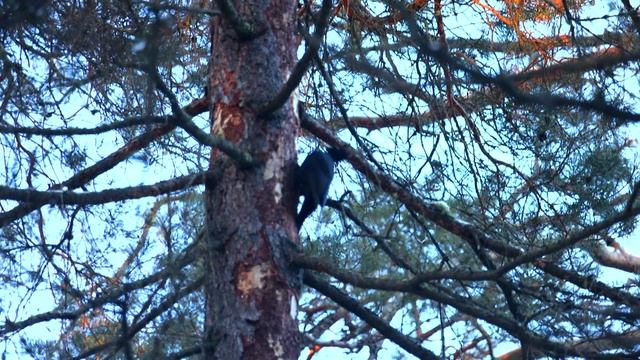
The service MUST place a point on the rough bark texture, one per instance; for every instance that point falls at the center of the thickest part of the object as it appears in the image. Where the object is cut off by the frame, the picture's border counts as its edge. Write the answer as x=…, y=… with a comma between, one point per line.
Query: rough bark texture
x=252, y=294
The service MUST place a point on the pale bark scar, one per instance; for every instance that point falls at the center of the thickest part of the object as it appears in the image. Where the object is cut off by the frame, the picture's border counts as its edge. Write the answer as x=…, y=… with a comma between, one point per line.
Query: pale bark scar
x=252, y=278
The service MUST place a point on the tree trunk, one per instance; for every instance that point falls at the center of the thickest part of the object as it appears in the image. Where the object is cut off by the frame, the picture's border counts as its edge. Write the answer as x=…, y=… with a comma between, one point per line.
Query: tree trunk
x=252, y=294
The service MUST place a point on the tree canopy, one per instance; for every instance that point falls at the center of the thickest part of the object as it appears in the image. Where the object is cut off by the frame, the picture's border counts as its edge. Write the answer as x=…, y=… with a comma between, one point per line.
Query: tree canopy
x=487, y=207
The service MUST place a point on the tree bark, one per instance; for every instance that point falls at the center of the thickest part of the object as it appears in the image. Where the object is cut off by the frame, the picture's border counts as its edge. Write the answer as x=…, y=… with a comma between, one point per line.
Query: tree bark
x=251, y=292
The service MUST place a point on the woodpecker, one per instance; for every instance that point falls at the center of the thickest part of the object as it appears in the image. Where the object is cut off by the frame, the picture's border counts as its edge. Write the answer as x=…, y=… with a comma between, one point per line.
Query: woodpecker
x=313, y=178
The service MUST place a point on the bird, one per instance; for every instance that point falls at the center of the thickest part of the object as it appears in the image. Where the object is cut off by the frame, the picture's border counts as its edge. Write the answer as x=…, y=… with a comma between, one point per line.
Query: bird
x=313, y=178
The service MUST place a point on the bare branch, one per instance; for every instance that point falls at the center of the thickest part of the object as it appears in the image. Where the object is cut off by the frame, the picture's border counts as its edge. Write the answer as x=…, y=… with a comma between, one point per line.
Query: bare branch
x=618, y=258
x=507, y=84
x=183, y=120
x=408, y=344
x=91, y=172
x=302, y=65
x=71, y=131
x=165, y=305
x=67, y=197
x=111, y=295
